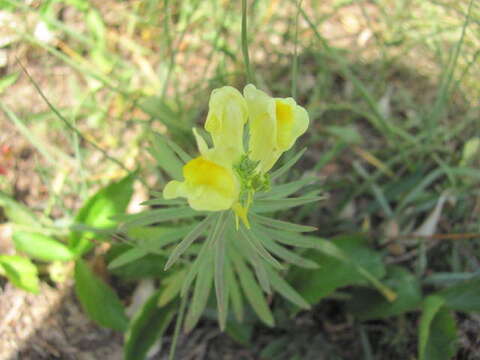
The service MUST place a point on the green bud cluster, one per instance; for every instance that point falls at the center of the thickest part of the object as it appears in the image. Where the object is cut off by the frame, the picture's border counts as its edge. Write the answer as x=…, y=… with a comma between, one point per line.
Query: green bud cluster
x=251, y=180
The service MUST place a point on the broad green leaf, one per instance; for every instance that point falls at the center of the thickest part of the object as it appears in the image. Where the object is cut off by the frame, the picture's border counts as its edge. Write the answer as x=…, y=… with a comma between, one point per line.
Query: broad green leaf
x=464, y=296
x=241, y=333
x=98, y=210
x=370, y=304
x=284, y=288
x=339, y=260
x=17, y=212
x=98, y=300
x=20, y=271
x=147, y=326
x=437, y=331
x=253, y=292
x=41, y=247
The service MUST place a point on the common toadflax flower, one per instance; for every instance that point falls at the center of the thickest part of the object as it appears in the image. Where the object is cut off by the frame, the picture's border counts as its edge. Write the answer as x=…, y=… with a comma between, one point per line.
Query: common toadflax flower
x=227, y=175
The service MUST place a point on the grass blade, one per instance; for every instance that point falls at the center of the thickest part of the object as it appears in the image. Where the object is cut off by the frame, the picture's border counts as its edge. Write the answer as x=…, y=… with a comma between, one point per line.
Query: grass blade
x=246, y=57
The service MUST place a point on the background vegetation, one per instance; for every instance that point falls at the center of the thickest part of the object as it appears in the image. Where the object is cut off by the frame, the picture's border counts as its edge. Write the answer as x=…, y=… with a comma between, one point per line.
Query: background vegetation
x=392, y=91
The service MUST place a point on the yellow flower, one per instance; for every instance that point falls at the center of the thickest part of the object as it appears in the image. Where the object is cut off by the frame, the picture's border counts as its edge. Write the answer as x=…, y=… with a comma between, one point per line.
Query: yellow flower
x=275, y=125
x=209, y=184
x=226, y=118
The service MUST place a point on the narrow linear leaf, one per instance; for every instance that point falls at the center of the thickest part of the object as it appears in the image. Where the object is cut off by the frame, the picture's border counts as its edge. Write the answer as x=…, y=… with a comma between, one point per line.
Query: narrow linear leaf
x=221, y=286
x=165, y=157
x=279, y=172
x=253, y=292
x=201, y=292
x=284, y=190
x=257, y=245
x=188, y=240
x=287, y=255
x=127, y=257
x=200, y=259
x=171, y=287
x=154, y=244
x=287, y=238
x=234, y=292
x=179, y=151
x=261, y=206
x=281, y=225
x=156, y=216
x=250, y=254
x=163, y=202
x=286, y=290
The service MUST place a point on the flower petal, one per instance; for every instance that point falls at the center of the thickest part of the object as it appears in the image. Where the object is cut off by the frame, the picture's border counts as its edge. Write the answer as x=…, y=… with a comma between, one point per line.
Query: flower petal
x=226, y=118
x=174, y=189
x=263, y=126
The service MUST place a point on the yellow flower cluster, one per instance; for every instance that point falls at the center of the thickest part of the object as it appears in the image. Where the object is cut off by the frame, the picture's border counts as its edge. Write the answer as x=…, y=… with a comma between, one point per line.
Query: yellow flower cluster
x=211, y=180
